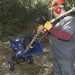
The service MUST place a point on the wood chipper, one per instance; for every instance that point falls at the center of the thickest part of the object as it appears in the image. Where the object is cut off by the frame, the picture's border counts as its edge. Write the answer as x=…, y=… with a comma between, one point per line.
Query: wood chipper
x=18, y=47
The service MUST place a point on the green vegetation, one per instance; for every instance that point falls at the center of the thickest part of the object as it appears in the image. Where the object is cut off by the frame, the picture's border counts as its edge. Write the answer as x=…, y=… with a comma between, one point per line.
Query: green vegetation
x=21, y=17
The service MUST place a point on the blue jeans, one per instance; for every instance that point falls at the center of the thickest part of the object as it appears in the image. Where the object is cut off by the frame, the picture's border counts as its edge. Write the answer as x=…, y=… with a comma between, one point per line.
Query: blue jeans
x=63, y=67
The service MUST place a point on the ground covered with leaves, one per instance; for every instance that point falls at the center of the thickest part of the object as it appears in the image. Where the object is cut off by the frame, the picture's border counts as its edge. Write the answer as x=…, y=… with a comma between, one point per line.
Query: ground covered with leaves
x=42, y=64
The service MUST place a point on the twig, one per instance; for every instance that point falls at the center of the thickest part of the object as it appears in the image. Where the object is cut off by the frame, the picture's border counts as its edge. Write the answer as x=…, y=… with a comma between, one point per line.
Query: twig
x=68, y=3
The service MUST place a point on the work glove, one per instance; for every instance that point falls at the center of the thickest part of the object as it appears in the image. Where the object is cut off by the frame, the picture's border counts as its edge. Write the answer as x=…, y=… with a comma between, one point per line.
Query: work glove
x=48, y=26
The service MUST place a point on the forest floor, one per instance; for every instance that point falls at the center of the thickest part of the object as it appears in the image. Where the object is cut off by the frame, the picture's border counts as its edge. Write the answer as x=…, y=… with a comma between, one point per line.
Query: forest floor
x=42, y=64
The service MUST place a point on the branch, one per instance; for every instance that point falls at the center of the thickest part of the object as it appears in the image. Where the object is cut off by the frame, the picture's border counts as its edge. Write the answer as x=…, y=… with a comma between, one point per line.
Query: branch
x=53, y=20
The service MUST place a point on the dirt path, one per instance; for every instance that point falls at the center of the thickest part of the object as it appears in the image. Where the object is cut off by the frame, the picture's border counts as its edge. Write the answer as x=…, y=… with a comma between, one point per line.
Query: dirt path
x=42, y=65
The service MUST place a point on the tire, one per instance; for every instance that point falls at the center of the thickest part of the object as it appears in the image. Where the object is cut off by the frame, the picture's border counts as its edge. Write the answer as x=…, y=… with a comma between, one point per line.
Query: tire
x=30, y=60
x=11, y=65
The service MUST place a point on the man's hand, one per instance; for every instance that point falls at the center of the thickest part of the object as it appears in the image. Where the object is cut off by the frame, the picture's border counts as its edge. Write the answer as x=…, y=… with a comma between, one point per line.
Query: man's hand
x=44, y=30
x=48, y=26
x=39, y=28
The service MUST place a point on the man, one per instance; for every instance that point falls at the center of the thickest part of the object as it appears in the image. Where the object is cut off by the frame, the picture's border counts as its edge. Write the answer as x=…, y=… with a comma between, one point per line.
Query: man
x=62, y=40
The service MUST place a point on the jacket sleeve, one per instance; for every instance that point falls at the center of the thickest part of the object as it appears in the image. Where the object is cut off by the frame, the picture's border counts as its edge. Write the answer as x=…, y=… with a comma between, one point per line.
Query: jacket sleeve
x=67, y=30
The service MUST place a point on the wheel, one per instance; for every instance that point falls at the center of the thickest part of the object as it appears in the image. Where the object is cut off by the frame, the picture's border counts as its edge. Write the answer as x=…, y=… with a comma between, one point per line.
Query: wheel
x=30, y=60
x=11, y=65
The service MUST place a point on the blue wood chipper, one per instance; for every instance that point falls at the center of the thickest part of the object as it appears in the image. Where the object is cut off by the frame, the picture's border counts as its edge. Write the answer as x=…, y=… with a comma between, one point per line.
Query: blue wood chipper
x=18, y=47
